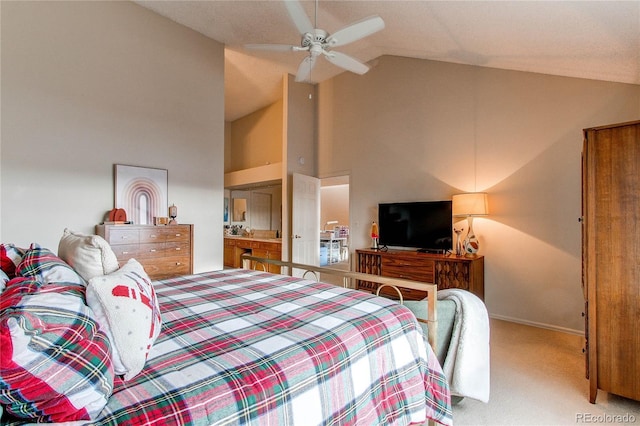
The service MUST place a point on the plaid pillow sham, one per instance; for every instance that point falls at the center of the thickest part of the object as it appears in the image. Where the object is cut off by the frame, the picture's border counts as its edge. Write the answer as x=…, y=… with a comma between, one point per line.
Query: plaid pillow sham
x=10, y=257
x=55, y=362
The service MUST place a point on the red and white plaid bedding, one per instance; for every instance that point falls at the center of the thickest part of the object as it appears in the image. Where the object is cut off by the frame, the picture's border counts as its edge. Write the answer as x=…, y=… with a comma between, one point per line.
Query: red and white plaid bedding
x=248, y=347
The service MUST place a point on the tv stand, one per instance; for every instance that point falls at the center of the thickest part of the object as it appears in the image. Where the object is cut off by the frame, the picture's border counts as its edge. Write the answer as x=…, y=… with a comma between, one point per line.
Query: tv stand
x=445, y=270
x=432, y=251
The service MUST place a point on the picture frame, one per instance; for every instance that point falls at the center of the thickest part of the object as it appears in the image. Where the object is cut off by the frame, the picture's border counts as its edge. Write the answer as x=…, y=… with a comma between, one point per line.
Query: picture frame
x=225, y=215
x=141, y=192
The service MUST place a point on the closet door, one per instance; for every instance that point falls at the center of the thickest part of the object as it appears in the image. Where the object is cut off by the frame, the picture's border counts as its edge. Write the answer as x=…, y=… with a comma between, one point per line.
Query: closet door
x=612, y=257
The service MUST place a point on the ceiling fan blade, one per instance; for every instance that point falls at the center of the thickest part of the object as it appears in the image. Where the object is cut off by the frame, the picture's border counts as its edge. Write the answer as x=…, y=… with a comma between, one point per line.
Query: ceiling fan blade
x=272, y=47
x=346, y=62
x=299, y=16
x=356, y=31
x=304, y=70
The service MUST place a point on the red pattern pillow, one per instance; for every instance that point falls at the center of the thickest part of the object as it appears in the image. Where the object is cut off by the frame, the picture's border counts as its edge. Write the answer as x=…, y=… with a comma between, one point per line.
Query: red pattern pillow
x=4, y=279
x=10, y=257
x=55, y=363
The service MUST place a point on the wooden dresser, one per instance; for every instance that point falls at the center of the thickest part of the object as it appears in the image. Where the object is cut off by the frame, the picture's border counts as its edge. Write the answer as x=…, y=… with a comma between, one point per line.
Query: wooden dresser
x=447, y=271
x=163, y=251
x=610, y=258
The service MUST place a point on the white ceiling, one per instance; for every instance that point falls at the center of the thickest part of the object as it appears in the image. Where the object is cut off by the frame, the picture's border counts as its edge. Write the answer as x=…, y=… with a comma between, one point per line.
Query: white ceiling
x=587, y=39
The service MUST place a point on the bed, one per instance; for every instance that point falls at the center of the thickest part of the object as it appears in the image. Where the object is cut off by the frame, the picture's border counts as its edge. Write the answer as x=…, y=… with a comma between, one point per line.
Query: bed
x=225, y=347
x=458, y=330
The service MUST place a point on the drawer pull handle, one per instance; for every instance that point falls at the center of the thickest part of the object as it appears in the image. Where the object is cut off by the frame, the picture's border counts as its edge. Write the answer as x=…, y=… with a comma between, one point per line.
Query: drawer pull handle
x=124, y=237
x=153, y=236
x=178, y=263
x=178, y=248
x=153, y=250
x=125, y=252
x=178, y=235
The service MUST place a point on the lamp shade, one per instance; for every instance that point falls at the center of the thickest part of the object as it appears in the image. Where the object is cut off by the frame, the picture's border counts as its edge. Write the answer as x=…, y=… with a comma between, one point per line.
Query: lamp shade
x=470, y=204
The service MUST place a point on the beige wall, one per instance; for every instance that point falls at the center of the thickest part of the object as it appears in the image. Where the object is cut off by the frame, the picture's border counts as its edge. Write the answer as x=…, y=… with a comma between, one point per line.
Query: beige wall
x=86, y=85
x=256, y=139
x=408, y=130
x=334, y=205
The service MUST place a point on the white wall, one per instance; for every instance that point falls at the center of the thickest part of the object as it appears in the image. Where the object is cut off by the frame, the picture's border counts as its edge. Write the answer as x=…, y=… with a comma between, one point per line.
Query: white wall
x=86, y=85
x=408, y=129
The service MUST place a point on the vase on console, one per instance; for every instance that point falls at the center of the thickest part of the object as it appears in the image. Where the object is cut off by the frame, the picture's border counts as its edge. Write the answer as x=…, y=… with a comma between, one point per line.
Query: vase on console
x=470, y=243
x=459, y=248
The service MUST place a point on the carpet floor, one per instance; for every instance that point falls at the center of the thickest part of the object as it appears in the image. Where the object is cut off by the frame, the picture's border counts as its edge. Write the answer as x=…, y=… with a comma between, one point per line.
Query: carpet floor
x=538, y=378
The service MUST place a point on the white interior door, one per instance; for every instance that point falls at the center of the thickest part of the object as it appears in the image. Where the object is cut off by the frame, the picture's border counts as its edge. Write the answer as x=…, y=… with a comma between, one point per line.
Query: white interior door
x=305, y=221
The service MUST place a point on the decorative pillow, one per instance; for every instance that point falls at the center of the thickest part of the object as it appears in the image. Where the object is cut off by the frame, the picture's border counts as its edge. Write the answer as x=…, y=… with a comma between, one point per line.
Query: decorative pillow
x=44, y=266
x=55, y=363
x=89, y=255
x=125, y=305
x=15, y=289
x=4, y=279
x=10, y=257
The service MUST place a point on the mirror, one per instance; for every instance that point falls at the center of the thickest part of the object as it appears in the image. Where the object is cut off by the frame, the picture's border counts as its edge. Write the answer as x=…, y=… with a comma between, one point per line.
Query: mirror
x=239, y=209
x=256, y=208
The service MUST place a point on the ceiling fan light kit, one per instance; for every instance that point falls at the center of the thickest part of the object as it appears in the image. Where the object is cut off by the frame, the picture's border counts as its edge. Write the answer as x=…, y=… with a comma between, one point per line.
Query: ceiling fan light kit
x=318, y=42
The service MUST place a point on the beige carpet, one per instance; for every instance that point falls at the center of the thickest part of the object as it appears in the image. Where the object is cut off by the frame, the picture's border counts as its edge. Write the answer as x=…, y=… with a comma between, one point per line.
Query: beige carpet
x=537, y=378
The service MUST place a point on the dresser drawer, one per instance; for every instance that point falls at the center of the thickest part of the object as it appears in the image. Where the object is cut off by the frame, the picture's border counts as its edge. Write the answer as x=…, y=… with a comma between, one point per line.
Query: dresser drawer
x=176, y=248
x=151, y=250
x=407, y=269
x=271, y=246
x=248, y=244
x=400, y=261
x=407, y=293
x=125, y=252
x=164, y=233
x=123, y=235
x=176, y=233
x=167, y=267
x=408, y=273
x=153, y=234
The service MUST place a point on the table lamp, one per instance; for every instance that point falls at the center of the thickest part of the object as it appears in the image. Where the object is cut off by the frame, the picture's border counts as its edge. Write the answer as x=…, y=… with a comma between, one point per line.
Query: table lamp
x=469, y=205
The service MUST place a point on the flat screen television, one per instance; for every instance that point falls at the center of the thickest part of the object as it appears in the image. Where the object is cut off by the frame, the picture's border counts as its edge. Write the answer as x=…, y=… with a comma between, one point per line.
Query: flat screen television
x=423, y=225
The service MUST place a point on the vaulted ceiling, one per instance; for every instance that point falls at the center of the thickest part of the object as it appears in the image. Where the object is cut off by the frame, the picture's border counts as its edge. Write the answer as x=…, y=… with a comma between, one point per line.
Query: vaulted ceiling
x=586, y=39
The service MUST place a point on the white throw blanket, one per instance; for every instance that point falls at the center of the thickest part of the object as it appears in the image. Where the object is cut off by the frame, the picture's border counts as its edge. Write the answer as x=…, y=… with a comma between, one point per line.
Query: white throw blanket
x=467, y=362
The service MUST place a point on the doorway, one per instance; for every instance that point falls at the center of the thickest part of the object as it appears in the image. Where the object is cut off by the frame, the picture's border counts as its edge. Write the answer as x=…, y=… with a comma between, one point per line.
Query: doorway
x=334, y=223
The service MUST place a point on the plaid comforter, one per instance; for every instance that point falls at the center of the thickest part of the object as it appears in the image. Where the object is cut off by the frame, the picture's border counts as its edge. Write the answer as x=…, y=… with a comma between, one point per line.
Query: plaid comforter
x=248, y=347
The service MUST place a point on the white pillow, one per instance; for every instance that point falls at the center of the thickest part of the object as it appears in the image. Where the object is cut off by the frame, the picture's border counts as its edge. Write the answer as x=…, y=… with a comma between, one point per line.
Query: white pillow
x=126, y=307
x=89, y=255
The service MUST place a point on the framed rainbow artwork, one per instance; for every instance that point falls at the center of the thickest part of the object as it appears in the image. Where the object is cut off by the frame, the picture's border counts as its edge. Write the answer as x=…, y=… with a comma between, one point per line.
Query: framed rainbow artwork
x=141, y=192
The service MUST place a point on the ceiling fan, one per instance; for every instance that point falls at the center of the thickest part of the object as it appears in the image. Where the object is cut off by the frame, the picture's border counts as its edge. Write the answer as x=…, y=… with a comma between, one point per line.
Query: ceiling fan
x=318, y=42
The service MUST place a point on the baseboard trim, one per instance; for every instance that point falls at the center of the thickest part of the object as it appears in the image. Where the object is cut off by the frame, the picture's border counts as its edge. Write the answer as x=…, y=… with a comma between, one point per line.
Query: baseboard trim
x=538, y=324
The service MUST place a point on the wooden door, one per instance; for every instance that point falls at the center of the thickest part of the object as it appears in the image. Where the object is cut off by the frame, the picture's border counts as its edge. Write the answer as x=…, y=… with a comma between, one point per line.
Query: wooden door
x=613, y=258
